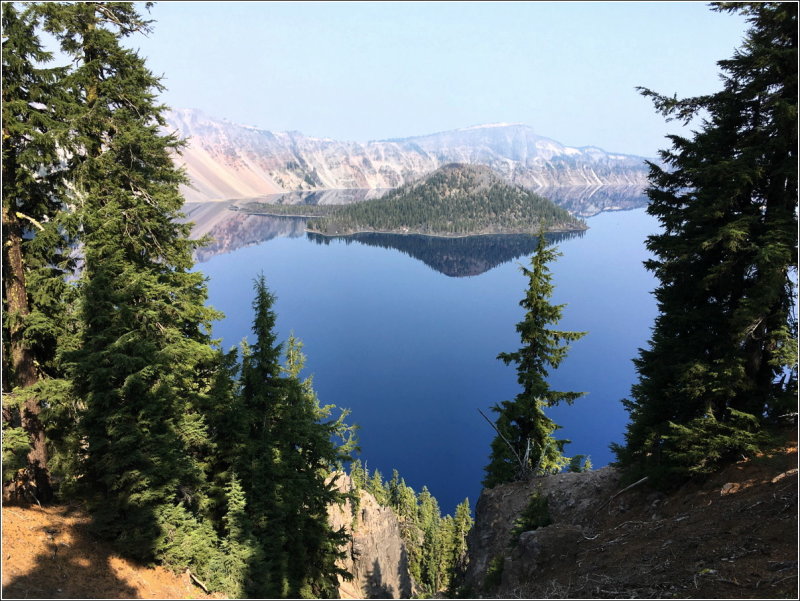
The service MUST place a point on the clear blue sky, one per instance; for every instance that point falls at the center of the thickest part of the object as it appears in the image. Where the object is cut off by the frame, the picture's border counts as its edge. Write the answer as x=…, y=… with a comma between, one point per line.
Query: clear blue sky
x=362, y=71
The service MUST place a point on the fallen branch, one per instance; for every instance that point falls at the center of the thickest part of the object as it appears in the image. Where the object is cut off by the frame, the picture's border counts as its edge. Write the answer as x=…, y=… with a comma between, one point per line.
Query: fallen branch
x=198, y=582
x=637, y=483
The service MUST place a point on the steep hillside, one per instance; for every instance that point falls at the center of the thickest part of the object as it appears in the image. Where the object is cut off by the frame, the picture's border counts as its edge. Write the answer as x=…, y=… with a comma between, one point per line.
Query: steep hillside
x=226, y=161
x=50, y=552
x=731, y=536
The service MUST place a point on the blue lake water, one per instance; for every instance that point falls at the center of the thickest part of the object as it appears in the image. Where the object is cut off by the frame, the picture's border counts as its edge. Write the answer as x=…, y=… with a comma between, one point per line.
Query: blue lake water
x=407, y=337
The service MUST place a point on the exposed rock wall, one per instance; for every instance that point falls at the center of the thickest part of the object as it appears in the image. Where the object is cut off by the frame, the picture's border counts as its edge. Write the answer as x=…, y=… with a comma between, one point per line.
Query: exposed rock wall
x=573, y=501
x=376, y=557
x=227, y=161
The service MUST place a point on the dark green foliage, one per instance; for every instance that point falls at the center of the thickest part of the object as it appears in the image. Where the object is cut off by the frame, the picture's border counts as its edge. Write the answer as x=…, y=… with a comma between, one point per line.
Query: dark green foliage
x=428, y=519
x=183, y=454
x=525, y=445
x=240, y=549
x=704, y=443
x=535, y=515
x=494, y=573
x=288, y=456
x=144, y=339
x=722, y=364
x=580, y=463
x=36, y=228
x=462, y=523
x=16, y=445
x=455, y=200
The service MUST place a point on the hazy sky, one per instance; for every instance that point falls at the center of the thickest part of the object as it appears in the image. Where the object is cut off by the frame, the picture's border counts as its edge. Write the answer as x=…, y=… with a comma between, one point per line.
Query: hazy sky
x=362, y=71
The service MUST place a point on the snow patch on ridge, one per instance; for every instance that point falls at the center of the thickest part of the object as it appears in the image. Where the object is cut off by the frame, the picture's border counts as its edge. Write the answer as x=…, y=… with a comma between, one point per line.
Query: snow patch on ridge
x=488, y=125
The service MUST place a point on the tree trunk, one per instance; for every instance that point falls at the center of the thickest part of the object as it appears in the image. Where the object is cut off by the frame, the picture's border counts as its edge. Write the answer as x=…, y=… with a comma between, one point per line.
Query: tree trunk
x=22, y=364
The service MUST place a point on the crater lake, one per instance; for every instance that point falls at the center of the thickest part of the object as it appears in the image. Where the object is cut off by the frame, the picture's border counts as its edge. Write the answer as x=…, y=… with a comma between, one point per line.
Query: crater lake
x=404, y=330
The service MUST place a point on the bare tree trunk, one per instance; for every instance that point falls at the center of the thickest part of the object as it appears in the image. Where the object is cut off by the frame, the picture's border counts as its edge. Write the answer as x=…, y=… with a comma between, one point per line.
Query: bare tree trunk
x=22, y=364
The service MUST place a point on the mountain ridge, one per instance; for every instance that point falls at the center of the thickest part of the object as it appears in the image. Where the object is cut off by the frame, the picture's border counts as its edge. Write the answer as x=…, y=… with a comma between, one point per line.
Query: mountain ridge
x=225, y=160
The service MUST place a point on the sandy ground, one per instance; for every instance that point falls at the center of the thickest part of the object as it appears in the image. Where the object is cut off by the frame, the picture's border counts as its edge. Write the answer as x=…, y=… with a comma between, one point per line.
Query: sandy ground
x=49, y=553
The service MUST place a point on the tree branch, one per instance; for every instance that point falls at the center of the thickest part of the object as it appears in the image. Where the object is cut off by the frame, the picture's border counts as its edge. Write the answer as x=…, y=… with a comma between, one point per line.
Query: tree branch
x=500, y=434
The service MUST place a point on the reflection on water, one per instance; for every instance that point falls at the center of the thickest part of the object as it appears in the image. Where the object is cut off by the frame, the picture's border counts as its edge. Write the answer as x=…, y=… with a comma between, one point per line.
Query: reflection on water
x=231, y=229
x=589, y=201
x=455, y=257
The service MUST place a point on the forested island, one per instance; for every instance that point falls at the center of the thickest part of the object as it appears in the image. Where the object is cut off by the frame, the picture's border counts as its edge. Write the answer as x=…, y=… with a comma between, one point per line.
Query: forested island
x=454, y=200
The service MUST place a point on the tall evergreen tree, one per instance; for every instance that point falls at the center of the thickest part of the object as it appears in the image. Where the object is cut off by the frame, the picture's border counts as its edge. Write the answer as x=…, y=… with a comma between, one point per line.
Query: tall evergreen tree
x=462, y=524
x=524, y=443
x=262, y=393
x=144, y=340
x=308, y=490
x=722, y=359
x=286, y=463
x=358, y=476
x=35, y=246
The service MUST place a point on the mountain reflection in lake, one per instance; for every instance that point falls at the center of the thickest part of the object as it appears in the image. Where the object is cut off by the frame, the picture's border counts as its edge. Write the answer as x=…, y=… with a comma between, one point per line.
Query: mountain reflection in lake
x=455, y=257
x=591, y=200
x=230, y=228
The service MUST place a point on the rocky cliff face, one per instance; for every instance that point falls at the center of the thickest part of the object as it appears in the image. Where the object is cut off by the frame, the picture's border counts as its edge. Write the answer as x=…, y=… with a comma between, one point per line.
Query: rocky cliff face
x=573, y=501
x=226, y=161
x=376, y=557
x=733, y=535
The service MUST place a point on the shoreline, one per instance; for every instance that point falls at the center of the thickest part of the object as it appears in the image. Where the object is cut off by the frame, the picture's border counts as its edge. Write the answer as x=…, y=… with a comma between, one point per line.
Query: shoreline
x=391, y=233
x=551, y=231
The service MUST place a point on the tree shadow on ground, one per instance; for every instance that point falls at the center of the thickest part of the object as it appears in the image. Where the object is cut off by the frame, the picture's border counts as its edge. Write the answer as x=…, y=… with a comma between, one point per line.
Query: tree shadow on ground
x=50, y=552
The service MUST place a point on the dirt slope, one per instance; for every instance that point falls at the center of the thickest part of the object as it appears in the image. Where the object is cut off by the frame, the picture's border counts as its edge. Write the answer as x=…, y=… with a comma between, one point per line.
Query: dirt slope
x=731, y=536
x=49, y=553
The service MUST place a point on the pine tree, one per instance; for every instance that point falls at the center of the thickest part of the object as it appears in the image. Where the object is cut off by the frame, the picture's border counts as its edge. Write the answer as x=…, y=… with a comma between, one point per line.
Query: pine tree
x=240, y=550
x=262, y=393
x=722, y=364
x=144, y=339
x=377, y=488
x=226, y=422
x=288, y=455
x=35, y=239
x=462, y=524
x=310, y=456
x=524, y=444
x=429, y=522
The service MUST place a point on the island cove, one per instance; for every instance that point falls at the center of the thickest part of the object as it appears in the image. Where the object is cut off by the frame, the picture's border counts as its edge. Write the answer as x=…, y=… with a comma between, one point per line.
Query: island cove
x=454, y=201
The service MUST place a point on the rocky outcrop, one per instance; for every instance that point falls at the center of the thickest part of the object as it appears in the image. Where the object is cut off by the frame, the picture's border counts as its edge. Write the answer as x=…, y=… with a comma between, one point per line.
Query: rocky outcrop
x=730, y=535
x=226, y=161
x=376, y=557
x=573, y=501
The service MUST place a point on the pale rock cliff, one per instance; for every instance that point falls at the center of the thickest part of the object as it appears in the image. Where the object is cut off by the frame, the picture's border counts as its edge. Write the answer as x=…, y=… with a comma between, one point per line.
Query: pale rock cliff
x=376, y=557
x=227, y=161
